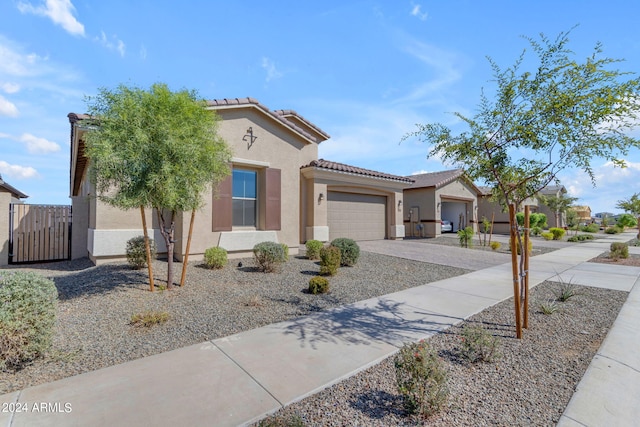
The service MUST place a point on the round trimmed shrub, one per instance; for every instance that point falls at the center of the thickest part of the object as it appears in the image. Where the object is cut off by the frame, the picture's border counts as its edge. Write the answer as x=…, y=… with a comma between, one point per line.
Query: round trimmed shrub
x=313, y=248
x=329, y=260
x=28, y=303
x=137, y=253
x=495, y=245
x=318, y=285
x=268, y=256
x=619, y=250
x=215, y=257
x=349, y=250
x=285, y=252
x=557, y=232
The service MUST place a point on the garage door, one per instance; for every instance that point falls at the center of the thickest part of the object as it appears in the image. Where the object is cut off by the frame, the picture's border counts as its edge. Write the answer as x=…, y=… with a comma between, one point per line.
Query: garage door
x=357, y=216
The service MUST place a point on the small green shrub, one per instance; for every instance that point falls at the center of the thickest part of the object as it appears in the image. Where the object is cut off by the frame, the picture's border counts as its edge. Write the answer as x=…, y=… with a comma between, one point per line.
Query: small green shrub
x=613, y=230
x=215, y=257
x=549, y=307
x=421, y=378
x=580, y=238
x=149, y=318
x=566, y=291
x=547, y=235
x=626, y=220
x=518, y=246
x=590, y=228
x=478, y=345
x=349, y=250
x=466, y=237
x=619, y=250
x=285, y=252
x=318, y=285
x=313, y=248
x=535, y=231
x=572, y=239
x=137, y=253
x=268, y=256
x=495, y=245
x=28, y=303
x=329, y=260
x=557, y=232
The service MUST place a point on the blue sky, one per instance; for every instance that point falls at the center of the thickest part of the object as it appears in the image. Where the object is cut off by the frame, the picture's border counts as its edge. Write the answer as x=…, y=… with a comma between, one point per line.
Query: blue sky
x=363, y=71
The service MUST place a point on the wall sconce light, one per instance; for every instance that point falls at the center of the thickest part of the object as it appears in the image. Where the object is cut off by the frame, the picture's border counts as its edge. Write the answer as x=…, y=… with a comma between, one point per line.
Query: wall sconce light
x=399, y=205
x=320, y=197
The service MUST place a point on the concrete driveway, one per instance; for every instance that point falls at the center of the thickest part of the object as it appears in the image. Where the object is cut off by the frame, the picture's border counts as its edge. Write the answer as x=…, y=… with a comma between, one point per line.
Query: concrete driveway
x=422, y=250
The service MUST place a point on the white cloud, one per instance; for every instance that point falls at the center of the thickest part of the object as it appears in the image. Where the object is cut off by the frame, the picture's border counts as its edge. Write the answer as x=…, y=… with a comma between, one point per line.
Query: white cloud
x=8, y=108
x=37, y=145
x=112, y=43
x=10, y=87
x=417, y=12
x=16, y=171
x=15, y=63
x=612, y=184
x=270, y=68
x=59, y=11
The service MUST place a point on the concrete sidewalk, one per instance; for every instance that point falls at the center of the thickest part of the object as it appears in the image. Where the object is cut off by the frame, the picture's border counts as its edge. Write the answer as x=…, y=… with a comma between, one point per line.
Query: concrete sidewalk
x=239, y=379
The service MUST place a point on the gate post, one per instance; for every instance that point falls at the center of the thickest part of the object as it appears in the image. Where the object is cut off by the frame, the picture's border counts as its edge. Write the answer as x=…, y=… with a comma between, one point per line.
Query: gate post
x=5, y=206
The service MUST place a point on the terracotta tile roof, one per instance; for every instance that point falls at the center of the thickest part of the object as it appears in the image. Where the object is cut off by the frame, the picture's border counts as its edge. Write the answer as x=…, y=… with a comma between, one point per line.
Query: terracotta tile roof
x=341, y=167
x=279, y=115
x=436, y=179
x=553, y=189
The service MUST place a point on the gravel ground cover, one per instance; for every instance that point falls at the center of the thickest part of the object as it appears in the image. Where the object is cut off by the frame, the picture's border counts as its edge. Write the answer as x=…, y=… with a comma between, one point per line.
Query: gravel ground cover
x=96, y=305
x=530, y=384
x=540, y=246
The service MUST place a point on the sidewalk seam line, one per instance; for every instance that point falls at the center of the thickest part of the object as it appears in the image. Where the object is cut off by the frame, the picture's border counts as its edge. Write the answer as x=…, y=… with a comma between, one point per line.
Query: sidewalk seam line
x=247, y=372
x=13, y=413
x=617, y=361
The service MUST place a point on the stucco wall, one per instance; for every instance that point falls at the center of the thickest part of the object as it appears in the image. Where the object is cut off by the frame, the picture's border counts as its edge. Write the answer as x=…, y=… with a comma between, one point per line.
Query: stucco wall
x=5, y=201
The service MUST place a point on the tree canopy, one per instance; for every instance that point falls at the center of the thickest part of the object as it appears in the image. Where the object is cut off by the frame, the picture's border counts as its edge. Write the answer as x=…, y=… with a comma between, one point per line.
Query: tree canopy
x=564, y=113
x=631, y=205
x=154, y=148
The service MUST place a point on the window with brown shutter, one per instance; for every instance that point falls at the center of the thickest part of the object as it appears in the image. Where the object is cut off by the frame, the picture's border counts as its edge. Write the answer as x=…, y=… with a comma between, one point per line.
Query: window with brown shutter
x=222, y=206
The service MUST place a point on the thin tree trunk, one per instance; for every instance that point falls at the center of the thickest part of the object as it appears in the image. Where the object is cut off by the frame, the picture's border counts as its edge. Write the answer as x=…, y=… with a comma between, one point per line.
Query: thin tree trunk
x=186, y=255
x=493, y=217
x=513, y=228
x=525, y=315
x=168, y=234
x=147, y=248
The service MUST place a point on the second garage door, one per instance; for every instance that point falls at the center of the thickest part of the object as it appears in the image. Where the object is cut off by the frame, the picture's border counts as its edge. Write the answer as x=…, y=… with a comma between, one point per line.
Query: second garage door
x=356, y=216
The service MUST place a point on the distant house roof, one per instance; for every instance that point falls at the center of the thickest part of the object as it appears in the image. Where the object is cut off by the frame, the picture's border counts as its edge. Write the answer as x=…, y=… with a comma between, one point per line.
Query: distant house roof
x=288, y=118
x=341, y=167
x=10, y=189
x=439, y=179
x=553, y=190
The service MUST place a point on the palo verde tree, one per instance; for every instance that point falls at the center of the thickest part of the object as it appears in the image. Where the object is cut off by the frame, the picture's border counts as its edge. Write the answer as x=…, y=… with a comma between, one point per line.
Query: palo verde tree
x=557, y=204
x=631, y=205
x=157, y=149
x=561, y=113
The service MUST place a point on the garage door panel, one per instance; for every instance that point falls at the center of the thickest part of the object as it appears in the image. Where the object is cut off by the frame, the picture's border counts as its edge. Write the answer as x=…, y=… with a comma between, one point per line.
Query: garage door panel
x=357, y=216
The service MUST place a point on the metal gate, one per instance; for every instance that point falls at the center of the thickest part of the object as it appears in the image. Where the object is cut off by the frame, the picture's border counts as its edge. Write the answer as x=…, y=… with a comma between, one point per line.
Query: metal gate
x=39, y=233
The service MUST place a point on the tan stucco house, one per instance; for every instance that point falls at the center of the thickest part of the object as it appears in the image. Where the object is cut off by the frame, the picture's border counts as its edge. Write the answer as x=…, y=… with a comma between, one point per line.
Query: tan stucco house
x=437, y=196
x=8, y=195
x=278, y=191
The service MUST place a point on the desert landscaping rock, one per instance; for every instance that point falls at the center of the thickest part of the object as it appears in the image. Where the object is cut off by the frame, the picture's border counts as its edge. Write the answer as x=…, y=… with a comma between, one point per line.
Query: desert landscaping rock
x=93, y=328
x=531, y=383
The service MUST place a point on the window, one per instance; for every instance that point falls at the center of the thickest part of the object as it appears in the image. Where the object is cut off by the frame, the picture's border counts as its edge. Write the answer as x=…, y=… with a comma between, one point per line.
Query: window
x=244, y=198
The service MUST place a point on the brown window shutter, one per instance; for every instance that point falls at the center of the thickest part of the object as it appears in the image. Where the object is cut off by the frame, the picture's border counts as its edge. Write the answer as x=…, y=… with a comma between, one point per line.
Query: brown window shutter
x=272, y=202
x=222, y=206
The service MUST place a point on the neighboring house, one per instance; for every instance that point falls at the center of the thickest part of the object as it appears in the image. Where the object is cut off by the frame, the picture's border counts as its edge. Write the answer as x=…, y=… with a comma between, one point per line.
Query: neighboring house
x=584, y=214
x=494, y=212
x=278, y=191
x=437, y=196
x=554, y=219
x=8, y=195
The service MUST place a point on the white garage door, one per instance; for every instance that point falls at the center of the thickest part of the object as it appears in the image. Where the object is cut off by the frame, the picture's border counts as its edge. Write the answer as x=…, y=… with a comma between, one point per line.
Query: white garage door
x=356, y=216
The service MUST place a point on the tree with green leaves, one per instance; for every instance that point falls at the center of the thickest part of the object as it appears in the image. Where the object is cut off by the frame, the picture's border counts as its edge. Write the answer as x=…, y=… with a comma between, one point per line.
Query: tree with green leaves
x=631, y=205
x=156, y=149
x=562, y=112
x=558, y=205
